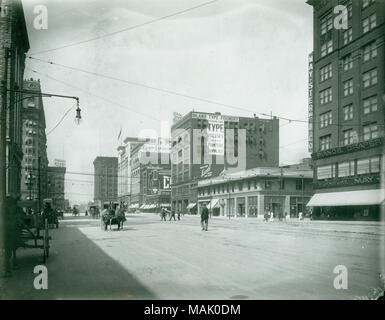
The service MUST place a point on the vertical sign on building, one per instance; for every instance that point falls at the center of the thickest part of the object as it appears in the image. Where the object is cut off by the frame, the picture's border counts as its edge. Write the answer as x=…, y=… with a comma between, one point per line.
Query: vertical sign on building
x=310, y=106
x=216, y=135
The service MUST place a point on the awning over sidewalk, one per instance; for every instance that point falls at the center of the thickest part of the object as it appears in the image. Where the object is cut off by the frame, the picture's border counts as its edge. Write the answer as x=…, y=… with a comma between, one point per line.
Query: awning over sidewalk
x=212, y=203
x=191, y=205
x=347, y=198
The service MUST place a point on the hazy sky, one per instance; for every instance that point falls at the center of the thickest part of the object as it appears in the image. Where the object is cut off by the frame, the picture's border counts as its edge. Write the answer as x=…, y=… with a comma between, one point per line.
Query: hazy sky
x=247, y=53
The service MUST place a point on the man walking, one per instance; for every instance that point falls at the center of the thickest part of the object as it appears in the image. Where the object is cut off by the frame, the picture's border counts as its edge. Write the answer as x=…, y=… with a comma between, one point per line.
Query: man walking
x=172, y=215
x=204, y=217
x=163, y=215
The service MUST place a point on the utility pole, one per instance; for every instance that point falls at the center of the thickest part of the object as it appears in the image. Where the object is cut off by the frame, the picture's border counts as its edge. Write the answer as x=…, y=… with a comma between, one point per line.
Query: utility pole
x=3, y=132
x=39, y=184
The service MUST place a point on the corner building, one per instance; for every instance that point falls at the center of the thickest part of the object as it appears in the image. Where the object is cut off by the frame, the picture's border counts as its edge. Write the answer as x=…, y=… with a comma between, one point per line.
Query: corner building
x=347, y=112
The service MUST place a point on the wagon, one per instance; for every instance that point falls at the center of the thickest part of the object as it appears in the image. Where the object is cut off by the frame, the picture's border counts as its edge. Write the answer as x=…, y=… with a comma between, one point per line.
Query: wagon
x=31, y=237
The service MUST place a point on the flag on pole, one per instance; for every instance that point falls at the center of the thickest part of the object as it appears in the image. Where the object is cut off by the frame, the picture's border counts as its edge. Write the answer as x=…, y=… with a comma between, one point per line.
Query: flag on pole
x=120, y=133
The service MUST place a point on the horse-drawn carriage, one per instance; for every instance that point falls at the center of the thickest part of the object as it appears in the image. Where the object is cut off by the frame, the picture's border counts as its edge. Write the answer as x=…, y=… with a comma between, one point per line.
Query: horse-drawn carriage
x=112, y=214
x=94, y=211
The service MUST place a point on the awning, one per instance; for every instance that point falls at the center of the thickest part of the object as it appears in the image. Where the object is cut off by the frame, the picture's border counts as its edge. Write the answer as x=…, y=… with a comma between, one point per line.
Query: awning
x=212, y=203
x=347, y=198
x=191, y=205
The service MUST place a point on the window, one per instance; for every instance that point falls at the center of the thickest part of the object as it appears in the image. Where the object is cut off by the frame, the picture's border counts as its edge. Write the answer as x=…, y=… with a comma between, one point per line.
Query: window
x=370, y=131
x=326, y=142
x=326, y=72
x=326, y=96
x=267, y=184
x=348, y=36
x=370, y=78
x=326, y=48
x=350, y=136
x=326, y=24
x=346, y=169
x=348, y=112
x=375, y=164
x=369, y=23
x=370, y=51
x=348, y=87
x=366, y=3
x=298, y=184
x=363, y=166
x=325, y=119
x=370, y=104
x=347, y=62
x=282, y=184
x=326, y=172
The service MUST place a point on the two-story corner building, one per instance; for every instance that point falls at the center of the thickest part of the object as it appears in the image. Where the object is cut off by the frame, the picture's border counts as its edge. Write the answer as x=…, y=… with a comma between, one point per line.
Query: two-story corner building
x=347, y=108
x=201, y=148
x=252, y=193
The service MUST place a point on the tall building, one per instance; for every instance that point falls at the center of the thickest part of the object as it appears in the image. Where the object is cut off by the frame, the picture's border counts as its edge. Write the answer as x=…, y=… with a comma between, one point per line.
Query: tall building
x=105, y=180
x=34, y=180
x=150, y=177
x=124, y=172
x=14, y=44
x=205, y=144
x=56, y=186
x=346, y=108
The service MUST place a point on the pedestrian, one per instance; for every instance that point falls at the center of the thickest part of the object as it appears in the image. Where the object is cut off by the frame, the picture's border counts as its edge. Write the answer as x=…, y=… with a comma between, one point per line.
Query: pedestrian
x=86, y=213
x=178, y=215
x=300, y=216
x=284, y=217
x=163, y=214
x=205, y=217
x=172, y=215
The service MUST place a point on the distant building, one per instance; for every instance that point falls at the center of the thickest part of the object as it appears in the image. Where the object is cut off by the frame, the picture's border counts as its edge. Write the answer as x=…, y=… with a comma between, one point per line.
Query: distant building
x=346, y=109
x=205, y=144
x=105, y=180
x=56, y=187
x=34, y=144
x=253, y=192
x=150, y=177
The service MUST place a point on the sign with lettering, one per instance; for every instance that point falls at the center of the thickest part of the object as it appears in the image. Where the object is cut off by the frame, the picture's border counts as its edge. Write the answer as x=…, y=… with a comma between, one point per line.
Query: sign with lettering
x=216, y=135
x=310, y=104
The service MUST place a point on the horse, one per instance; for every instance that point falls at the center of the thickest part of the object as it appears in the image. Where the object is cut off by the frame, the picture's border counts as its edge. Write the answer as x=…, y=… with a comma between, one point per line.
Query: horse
x=109, y=218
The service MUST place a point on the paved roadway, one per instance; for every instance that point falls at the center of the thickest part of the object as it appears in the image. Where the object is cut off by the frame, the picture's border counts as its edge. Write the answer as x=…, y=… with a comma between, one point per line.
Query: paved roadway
x=235, y=259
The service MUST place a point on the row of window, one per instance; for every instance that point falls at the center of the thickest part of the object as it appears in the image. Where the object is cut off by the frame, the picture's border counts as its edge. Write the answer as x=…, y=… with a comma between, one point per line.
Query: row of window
x=369, y=105
x=349, y=168
x=369, y=78
x=368, y=24
x=230, y=187
x=370, y=131
x=369, y=52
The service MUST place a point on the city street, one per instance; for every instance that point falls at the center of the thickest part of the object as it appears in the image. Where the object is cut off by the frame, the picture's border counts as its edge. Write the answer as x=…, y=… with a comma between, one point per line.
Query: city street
x=235, y=259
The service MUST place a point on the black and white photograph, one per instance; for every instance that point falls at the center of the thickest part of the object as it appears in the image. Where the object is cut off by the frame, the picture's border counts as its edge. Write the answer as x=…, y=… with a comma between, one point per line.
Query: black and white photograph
x=192, y=150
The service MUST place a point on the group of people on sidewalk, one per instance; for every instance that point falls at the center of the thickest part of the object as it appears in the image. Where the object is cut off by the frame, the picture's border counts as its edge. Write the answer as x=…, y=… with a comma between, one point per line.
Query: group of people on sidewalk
x=171, y=213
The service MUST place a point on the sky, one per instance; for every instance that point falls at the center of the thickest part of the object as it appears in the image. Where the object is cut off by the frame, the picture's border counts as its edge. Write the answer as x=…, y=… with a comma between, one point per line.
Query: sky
x=250, y=54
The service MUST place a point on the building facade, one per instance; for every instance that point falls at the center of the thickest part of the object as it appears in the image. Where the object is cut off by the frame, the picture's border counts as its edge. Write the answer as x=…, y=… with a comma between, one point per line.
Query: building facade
x=105, y=180
x=253, y=192
x=56, y=186
x=347, y=109
x=35, y=161
x=205, y=144
x=124, y=172
x=14, y=44
x=150, y=175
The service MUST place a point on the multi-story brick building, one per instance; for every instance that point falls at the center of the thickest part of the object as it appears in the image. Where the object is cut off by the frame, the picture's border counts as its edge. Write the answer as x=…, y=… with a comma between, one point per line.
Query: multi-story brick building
x=346, y=108
x=204, y=144
x=34, y=180
x=124, y=172
x=56, y=186
x=14, y=44
x=150, y=178
x=105, y=180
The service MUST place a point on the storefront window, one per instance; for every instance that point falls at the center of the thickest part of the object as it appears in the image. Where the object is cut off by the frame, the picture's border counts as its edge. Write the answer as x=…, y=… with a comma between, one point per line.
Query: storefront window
x=253, y=206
